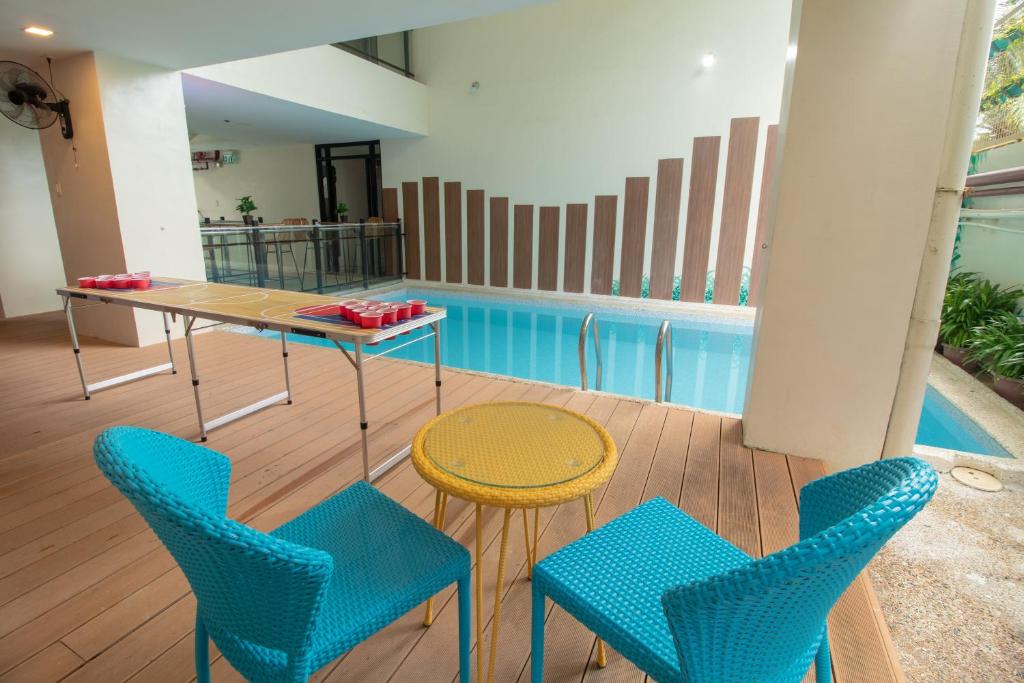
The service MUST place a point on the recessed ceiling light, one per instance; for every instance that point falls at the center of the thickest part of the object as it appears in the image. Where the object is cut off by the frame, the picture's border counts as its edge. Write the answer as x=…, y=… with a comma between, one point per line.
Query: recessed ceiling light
x=708, y=60
x=38, y=31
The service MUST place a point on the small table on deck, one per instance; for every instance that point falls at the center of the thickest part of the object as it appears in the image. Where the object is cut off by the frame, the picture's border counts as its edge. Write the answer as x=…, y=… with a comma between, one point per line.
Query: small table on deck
x=511, y=455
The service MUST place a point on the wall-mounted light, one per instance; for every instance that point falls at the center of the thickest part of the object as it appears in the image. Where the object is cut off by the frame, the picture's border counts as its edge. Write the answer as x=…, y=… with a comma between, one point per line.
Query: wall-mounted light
x=708, y=60
x=38, y=31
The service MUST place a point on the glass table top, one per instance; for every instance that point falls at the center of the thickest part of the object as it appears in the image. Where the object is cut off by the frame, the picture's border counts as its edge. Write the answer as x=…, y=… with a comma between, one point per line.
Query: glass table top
x=514, y=445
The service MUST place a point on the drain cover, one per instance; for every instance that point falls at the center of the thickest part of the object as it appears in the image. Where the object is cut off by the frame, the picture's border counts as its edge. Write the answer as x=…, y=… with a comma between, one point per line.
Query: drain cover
x=976, y=479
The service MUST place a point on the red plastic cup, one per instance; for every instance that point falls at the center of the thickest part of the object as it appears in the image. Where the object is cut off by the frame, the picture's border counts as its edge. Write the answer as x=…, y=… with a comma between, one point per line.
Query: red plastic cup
x=356, y=314
x=103, y=281
x=403, y=311
x=87, y=282
x=122, y=281
x=369, y=320
x=418, y=306
x=388, y=315
x=139, y=282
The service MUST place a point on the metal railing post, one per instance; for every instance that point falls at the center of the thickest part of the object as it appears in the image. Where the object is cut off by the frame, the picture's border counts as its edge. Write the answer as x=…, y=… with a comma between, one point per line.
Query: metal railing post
x=400, y=240
x=589, y=322
x=663, y=347
x=318, y=260
x=257, y=248
x=365, y=256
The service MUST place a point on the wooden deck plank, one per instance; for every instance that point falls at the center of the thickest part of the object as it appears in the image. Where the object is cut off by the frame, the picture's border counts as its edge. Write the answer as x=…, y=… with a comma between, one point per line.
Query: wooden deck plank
x=90, y=595
x=737, y=496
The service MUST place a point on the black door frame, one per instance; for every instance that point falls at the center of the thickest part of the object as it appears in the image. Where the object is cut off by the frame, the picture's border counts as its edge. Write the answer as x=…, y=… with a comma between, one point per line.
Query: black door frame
x=325, y=154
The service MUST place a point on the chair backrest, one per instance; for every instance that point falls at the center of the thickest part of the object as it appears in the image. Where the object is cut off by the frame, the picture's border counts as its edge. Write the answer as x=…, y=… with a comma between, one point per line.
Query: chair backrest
x=764, y=621
x=252, y=590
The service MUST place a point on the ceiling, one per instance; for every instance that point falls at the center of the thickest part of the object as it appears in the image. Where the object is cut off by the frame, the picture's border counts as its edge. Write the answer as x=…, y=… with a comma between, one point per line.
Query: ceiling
x=189, y=33
x=255, y=120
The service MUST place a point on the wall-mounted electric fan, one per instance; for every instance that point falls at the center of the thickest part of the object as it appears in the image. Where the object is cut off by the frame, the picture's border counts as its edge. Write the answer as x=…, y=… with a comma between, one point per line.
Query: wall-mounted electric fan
x=30, y=101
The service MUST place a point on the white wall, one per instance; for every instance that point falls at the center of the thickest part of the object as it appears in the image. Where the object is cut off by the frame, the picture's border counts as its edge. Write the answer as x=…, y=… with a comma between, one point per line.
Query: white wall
x=30, y=262
x=578, y=94
x=997, y=254
x=282, y=181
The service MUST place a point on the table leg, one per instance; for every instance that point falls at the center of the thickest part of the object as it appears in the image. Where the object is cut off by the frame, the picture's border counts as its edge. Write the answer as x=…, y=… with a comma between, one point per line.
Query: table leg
x=536, y=526
x=529, y=555
x=479, y=595
x=195, y=377
x=588, y=502
x=498, y=591
x=440, y=508
x=436, y=326
x=284, y=355
x=170, y=348
x=363, y=426
x=74, y=345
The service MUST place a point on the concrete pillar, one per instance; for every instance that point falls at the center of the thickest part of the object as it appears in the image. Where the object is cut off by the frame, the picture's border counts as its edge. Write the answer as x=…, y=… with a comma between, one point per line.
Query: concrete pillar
x=869, y=103
x=122, y=192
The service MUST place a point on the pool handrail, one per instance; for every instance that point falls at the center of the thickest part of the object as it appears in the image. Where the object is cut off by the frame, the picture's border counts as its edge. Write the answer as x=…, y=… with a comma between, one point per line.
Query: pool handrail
x=663, y=348
x=589, y=321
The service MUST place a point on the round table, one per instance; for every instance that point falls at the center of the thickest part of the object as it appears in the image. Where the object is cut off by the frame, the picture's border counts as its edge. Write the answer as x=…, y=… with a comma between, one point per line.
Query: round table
x=514, y=456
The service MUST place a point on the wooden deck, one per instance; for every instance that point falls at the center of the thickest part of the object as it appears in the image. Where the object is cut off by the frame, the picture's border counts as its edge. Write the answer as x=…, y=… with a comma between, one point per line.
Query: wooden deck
x=88, y=594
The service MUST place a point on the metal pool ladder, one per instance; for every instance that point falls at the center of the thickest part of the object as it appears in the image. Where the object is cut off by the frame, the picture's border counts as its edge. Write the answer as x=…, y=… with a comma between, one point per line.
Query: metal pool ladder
x=589, y=322
x=662, y=349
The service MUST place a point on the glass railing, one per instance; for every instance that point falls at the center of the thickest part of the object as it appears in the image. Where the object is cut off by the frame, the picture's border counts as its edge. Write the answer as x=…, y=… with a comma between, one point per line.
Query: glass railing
x=304, y=258
x=390, y=50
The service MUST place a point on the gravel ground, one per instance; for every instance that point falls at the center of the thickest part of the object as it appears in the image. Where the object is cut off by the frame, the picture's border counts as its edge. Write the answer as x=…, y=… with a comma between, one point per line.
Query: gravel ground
x=951, y=585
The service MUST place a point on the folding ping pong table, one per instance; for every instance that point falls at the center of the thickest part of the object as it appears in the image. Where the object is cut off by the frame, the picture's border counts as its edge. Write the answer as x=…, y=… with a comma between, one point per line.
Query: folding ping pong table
x=264, y=309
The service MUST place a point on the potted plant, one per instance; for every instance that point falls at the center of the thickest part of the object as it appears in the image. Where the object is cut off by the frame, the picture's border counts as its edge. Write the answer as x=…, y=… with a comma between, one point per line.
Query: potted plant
x=342, y=212
x=998, y=346
x=246, y=206
x=970, y=302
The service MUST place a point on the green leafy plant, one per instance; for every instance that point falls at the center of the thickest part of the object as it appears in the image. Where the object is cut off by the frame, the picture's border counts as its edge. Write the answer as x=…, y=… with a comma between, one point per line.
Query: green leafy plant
x=246, y=205
x=342, y=208
x=998, y=346
x=970, y=302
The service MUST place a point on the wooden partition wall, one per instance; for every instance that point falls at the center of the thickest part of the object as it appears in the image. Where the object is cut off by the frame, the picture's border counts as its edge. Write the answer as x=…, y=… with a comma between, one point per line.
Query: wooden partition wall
x=491, y=247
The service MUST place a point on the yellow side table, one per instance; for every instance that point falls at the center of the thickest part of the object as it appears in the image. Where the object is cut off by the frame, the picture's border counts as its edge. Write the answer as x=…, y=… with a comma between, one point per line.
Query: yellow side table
x=515, y=456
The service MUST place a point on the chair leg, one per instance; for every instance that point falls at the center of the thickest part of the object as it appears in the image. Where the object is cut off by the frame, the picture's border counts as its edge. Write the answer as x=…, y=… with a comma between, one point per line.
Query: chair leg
x=202, y=653
x=464, y=627
x=823, y=661
x=537, y=637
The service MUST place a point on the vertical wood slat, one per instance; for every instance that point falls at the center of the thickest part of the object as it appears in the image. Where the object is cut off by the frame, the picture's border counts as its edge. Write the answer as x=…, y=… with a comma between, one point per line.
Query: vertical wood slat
x=760, y=235
x=389, y=204
x=475, y=237
x=547, y=256
x=411, y=226
x=732, y=238
x=499, y=241
x=700, y=210
x=522, y=257
x=634, y=234
x=667, y=196
x=389, y=212
x=575, y=248
x=602, y=260
x=453, y=232
x=431, y=229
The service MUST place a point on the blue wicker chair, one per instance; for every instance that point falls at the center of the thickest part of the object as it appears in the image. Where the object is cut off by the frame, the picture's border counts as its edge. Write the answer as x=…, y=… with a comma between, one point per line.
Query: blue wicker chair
x=683, y=604
x=281, y=605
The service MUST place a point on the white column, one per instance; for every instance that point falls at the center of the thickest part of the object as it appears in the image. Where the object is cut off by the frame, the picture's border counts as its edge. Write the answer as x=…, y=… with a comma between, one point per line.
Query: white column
x=871, y=100
x=122, y=191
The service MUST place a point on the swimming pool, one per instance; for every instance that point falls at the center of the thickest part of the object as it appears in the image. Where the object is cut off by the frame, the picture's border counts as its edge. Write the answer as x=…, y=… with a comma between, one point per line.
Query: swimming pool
x=539, y=340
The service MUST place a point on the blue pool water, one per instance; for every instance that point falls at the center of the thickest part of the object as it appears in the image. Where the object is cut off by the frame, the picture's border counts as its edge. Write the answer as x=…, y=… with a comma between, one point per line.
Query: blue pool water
x=539, y=341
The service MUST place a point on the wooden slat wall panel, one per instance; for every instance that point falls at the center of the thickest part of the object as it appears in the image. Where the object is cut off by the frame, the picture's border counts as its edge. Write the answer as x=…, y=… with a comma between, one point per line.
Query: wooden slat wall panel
x=453, y=232
x=732, y=238
x=475, y=237
x=667, y=197
x=547, y=257
x=499, y=241
x=575, y=248
x=634, y=233
x=700, y=210
x=389, y=204
x=602, y=261
x=762, y=215
x=431, y=229
x=411, y=226
x=522, y=261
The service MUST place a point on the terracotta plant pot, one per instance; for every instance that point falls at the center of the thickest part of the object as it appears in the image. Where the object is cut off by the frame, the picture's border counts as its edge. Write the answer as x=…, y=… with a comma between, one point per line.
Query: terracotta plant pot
x=958, y=356
x=1010, y=389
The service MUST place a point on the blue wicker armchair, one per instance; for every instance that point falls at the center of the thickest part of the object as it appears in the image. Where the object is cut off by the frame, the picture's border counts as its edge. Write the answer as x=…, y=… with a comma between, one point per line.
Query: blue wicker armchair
x=281, y=605
x=684, y=604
